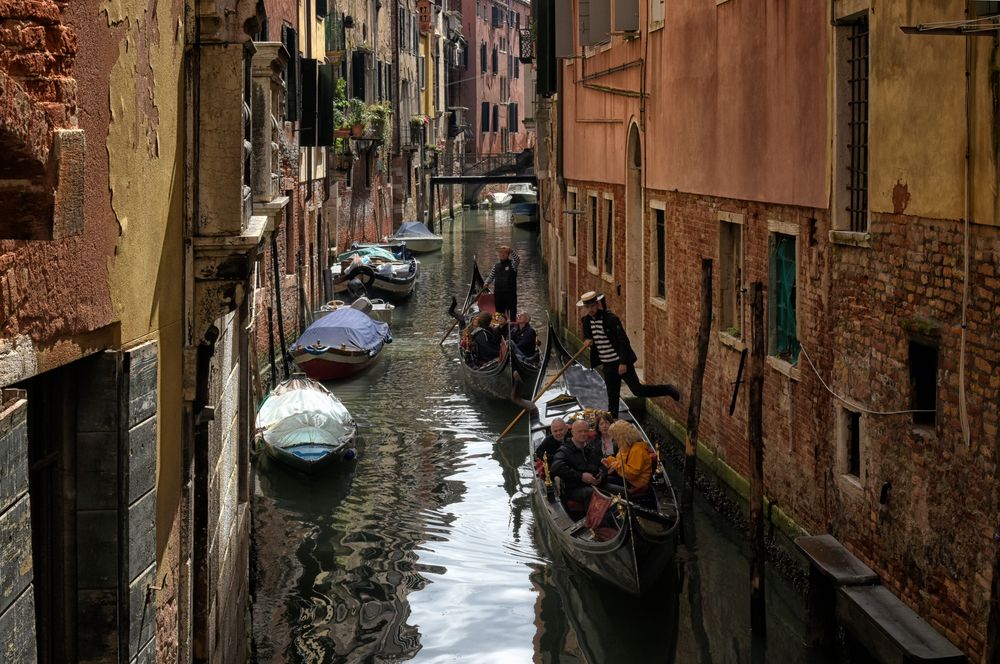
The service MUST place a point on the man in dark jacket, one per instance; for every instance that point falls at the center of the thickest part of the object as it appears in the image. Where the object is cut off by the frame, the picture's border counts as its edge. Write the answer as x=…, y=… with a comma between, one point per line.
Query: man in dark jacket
x=503, y=278
x=523, y=335
x=577, y=465
x=485, y=340
x=553, y=441
x=609, y=345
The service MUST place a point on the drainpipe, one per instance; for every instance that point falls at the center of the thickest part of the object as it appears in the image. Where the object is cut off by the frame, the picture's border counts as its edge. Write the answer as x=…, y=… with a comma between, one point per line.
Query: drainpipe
x=969, y=193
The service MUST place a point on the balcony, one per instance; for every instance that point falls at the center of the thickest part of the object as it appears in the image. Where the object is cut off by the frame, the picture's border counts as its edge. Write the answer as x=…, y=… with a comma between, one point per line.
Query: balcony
x=527, y=51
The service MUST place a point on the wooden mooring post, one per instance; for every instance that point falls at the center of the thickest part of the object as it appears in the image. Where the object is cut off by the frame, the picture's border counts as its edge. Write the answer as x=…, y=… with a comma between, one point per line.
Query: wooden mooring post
x=697, y=381
x=270, y=346
x=276, y=285
x=755, y=432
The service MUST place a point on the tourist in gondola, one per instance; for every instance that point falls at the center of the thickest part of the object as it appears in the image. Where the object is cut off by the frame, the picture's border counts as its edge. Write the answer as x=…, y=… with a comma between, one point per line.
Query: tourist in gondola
x=609, y=346
x=484, y=339
x=580, y=468
x=503, y=278
x=603, y=442
x=632, y=463
x=524, y=336
x=557, y=436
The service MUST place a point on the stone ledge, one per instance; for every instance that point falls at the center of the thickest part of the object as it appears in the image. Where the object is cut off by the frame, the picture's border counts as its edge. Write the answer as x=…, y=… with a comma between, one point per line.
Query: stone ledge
x=730, y=341
x=781, y=366
x=851, y=238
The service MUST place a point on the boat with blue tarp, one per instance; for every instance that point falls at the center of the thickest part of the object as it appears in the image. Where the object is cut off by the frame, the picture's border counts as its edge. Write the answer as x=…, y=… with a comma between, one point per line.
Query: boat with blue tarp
x=340, y=344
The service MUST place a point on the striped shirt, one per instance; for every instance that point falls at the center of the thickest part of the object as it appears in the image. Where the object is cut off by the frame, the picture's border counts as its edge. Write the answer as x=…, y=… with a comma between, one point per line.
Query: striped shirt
x=515, y=261
x=605, y=351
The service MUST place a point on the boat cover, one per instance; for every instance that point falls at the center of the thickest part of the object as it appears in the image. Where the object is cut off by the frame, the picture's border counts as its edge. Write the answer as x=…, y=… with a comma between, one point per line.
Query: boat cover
x=344, y=327
x=413, y=229
x=371, y=253
x=297, y=412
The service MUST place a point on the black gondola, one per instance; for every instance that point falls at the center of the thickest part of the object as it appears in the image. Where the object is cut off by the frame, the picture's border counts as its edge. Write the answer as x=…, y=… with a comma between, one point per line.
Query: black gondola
x=496, y=378
x=635, y=552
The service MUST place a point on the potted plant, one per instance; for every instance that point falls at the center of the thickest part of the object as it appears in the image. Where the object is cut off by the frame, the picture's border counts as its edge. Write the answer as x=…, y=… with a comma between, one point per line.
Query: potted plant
x=340, y=102
x=355, y=117
x=377, y=119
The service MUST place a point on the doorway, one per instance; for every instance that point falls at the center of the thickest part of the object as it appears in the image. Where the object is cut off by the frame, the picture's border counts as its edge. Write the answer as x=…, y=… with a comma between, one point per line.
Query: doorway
x=635, y=269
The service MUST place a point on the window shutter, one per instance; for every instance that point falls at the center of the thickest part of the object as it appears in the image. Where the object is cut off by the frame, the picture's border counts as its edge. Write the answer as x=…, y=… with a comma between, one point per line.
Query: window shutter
x=595, y=22
x=484, y=117
x=563, y=29
x=307, y=121
x=626, y=15
x=291, y=42
x=324, y=130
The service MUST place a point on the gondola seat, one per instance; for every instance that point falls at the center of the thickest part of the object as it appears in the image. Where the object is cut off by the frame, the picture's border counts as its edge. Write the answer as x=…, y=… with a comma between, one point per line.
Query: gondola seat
x=575, y=508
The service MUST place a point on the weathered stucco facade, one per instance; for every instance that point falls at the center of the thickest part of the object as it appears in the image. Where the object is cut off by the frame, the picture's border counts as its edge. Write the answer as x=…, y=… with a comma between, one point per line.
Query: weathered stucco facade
x=723, y=135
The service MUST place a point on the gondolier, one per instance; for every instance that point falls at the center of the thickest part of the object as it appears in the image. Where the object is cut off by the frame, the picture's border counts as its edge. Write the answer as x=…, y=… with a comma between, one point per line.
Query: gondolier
x=503, y=278
x=609, y=346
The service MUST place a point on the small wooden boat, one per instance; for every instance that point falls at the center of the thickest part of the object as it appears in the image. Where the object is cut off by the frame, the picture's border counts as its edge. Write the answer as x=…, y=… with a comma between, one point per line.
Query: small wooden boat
x=635, y=550
x=377, y=309
x=389, y=272
x=340, y=344
x=499, y=377
x=416, y=237
x=304, y=426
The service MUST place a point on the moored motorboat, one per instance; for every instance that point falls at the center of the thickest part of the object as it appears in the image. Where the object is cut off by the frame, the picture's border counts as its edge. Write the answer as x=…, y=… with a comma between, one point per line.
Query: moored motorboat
x=417, y=237
x=391, y=273
x=499, y=199
x=340, y=344
x=523, y=205
x=498, y=377
x=636, y=548
x=376, y=308
x=304, y=426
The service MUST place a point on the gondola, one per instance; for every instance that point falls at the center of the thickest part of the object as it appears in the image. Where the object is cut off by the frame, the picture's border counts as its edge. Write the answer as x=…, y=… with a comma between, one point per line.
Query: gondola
x=635, y=551
x=304, y=426
x=497, y=378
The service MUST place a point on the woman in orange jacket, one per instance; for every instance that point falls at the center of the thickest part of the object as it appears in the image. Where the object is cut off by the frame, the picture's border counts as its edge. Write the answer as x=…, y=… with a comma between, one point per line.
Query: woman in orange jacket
x=633, y=462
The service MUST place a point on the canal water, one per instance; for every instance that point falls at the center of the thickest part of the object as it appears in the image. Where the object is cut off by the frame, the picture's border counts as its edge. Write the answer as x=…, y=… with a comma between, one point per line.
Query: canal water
x=425, y=549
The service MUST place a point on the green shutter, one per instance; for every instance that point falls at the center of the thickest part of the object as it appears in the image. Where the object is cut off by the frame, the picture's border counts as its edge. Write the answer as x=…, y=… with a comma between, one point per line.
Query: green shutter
x=786, y=344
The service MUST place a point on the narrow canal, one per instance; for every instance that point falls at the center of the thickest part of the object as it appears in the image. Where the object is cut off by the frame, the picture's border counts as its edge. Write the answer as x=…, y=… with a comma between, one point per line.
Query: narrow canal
x=425, y=550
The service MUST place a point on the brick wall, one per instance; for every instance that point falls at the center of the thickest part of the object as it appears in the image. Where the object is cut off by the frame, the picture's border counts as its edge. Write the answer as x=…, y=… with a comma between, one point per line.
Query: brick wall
x=855, y=311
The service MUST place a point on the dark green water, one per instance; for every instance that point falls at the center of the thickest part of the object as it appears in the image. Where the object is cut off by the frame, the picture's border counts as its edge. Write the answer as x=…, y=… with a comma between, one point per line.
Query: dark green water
x=425, y=549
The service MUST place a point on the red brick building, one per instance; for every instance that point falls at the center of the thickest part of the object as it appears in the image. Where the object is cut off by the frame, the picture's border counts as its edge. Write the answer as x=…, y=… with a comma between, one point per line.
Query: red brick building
x=825, y=159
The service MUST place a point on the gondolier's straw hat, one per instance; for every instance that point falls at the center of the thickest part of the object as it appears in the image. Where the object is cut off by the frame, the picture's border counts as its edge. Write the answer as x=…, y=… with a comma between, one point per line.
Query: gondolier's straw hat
x=589, y=298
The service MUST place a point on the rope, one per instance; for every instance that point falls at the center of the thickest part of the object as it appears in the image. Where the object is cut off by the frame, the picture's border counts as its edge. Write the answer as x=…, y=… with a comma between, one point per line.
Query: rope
x=853, y=405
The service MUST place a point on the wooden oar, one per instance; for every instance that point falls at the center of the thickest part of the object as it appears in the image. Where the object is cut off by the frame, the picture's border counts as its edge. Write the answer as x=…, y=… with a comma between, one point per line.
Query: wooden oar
x=541, y=392
x=464, y=311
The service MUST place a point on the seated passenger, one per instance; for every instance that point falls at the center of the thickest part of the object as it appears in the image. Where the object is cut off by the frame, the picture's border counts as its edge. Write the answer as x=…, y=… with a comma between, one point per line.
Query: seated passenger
x=603, y=443
x=578, y=466
x=523, y=335
x=552, y=442
x=633, y=462
x=485, y=341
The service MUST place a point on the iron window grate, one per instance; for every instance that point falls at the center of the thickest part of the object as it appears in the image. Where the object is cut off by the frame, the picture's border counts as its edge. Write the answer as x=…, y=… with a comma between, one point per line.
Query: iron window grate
x=857, y=188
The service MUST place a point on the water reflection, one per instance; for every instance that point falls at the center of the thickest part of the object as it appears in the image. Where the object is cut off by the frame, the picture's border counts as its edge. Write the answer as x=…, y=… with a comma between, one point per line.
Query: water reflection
x=425, y=549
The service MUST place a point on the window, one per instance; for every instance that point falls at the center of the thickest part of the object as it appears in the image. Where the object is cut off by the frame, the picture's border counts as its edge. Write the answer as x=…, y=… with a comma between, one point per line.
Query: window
x=512, y=118
x=422, y=71
x=923, y=383
x=496, y=118
x=660, y=231
x=852, y=125
x=781, y=294
x=731, y=276
x=849, y=446
x=572, y=212
x=609, y=236
x=593, y=229
x=517, y=68
x=482, y=57
x=496, y=61
x=484, y=117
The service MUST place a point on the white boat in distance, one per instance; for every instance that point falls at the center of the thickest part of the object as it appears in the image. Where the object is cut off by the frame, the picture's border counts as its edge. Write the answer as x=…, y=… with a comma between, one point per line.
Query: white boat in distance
x=418, y=238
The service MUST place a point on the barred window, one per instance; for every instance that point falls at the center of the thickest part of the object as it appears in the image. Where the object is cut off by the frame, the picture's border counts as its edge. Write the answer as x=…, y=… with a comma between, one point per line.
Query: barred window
x=784, y=342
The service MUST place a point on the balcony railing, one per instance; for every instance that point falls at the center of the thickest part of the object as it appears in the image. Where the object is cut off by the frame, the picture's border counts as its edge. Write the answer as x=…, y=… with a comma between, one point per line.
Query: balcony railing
x=527, y=53
x=335, y=39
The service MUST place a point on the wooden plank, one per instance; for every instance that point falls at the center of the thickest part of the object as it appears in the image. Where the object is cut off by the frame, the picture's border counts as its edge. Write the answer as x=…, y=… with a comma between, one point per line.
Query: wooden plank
x=15, y=552
x=755, y=436
x=890, y=629
x=141, y=459
x=97, y=392
x=97, y=562
x=829, y=556
x=97, y=626
x=17, y=630
x=96, y=471
x=142, y=612
x=141, y=534
x=13, y=453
